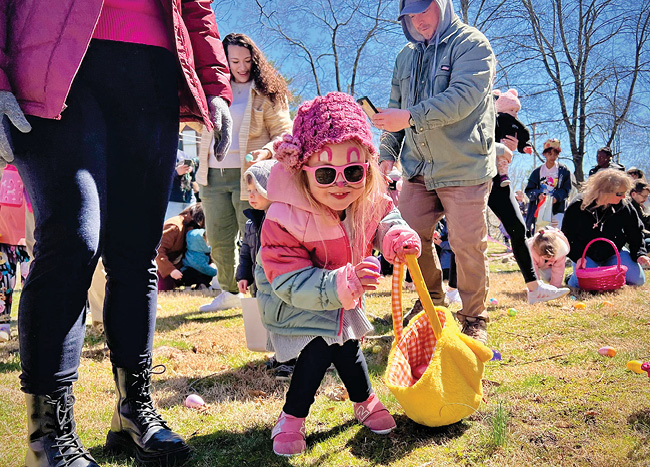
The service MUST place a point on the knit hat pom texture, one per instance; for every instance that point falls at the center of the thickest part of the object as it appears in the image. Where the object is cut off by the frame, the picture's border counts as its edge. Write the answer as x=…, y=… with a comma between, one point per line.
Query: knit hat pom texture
x=330, y=119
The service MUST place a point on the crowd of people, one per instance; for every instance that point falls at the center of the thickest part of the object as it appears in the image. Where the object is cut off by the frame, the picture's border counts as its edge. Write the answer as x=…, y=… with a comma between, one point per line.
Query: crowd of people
x=286, y=210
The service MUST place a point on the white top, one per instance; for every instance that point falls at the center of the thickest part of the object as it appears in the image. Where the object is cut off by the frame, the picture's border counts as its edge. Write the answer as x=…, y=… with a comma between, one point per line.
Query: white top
x=241, y=93
x=548, y=177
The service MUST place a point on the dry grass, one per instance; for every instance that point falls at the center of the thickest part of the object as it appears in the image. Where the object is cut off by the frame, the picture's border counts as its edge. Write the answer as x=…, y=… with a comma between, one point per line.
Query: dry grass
x=554, y=399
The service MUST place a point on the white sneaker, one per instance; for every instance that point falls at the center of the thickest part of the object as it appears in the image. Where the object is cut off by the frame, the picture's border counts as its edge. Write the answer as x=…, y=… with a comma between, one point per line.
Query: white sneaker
x=224, y=301
x=545, y=292
x=453, y=296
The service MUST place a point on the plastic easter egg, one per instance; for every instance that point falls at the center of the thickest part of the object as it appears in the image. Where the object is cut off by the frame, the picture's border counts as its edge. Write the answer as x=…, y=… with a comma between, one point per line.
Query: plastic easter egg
x=607, y=351
x=376, y=349
x=607, y=303
x=496, y=355
x=375, y=261
x=580, y=306
x=645, y=366
x=512, y=312
x=494, y=301
x=418, y=371
x=572, y=297
x=635, y=366
x=249, y=157
x=194, y=401
x=4, y=336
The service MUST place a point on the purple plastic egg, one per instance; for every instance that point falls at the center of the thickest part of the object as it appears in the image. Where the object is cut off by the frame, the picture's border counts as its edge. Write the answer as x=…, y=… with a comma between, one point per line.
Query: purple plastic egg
x=496, y=355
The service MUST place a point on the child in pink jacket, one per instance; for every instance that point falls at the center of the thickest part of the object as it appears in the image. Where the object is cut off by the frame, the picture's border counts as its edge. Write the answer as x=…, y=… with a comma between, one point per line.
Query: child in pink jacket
x=330, y=208
x=12, y=243
x=548, y=249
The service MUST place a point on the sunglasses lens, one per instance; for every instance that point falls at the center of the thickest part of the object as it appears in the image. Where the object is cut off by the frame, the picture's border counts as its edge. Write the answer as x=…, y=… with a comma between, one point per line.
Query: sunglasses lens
x=325, y=175
x=354, y=173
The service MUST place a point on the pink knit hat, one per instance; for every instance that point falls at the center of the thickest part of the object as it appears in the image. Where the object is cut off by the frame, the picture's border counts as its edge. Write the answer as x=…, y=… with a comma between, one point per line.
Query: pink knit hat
x=507, y=101
x=330, y=119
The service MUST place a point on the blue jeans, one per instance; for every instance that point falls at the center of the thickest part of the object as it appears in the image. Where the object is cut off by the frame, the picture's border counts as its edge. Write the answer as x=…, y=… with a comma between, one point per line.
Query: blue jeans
x=634, y=275
x=99, y=180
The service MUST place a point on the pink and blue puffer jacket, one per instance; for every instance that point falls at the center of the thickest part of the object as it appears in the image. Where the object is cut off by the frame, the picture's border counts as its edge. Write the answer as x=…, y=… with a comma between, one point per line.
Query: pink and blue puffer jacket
x=305, y=271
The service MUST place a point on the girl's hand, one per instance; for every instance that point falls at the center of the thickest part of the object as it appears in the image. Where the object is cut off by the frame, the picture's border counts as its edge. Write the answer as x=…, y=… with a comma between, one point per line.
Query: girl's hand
x=242, y=285
x=643, y=260
x=176, y=275
x=258, y=155
x=368, y=275
x=581, y=263
x=409, y=247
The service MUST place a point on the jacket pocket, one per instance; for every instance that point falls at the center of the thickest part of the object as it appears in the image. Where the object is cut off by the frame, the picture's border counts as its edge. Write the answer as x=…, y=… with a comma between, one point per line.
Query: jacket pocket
x=257, y=123
x=441, y=79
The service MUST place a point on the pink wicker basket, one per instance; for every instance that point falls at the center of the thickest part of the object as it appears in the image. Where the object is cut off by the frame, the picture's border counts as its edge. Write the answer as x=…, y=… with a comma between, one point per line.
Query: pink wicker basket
x=601, y=277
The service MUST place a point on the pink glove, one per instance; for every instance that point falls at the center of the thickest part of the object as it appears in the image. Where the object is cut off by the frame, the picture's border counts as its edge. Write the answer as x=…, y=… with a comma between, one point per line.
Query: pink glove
x=400, y=241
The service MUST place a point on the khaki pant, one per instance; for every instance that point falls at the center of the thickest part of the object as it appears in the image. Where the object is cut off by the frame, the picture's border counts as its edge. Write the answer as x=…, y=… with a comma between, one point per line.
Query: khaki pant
x=465, y=208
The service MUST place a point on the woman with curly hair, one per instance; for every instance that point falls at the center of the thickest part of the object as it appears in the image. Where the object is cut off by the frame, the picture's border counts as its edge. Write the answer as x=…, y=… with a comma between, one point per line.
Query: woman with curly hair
x=260, y=113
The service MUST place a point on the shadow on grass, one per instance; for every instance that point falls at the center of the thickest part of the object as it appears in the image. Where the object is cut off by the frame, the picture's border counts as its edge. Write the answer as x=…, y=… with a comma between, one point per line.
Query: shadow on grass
x=378, y=449
x=169, y=323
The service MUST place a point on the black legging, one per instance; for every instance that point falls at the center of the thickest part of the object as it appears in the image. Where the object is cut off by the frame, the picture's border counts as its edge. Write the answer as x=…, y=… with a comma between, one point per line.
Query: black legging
x=504, y=205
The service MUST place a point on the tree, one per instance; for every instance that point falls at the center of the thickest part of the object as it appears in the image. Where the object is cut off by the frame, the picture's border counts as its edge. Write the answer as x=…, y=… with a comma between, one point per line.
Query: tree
x=593, y=54
x=331, y=45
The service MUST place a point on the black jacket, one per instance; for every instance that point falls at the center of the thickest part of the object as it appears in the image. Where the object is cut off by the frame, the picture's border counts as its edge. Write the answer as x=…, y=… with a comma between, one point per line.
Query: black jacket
x=250, y=246
x=618, y=223
x=507, y=125
x=612, y=165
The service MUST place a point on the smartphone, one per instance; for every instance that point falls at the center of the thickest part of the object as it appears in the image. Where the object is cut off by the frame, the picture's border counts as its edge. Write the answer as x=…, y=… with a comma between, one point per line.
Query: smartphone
x=367, y=106
x=188, y=162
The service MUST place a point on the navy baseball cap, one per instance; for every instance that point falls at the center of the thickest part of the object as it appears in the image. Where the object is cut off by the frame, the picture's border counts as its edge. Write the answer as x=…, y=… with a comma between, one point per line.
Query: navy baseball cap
x=413, y=7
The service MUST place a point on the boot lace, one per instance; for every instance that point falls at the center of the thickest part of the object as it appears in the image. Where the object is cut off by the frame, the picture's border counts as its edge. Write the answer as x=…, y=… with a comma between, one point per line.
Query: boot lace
x=66, y=441
x=146, y=412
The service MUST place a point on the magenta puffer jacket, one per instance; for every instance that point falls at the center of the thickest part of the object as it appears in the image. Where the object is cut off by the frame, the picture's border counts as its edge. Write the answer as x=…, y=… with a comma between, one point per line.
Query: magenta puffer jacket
x=42, y=45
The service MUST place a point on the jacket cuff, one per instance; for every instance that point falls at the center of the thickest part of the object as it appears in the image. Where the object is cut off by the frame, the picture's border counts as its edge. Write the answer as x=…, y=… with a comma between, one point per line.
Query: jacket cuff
x=396, y=239
x=348, y=287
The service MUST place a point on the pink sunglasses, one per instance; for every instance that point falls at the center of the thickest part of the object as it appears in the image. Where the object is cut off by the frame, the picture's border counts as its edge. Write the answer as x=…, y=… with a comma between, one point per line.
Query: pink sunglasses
x=326, y=175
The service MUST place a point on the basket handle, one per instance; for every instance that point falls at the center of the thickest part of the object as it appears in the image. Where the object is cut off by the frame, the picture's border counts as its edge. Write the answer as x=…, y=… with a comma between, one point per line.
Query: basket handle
x=423, y=293
x=396, y=300
x=584, y=253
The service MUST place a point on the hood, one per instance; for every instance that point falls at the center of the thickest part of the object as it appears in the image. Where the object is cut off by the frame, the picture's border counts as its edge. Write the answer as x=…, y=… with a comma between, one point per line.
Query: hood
x=194, y=239
x=447, y=15
x=281, y=188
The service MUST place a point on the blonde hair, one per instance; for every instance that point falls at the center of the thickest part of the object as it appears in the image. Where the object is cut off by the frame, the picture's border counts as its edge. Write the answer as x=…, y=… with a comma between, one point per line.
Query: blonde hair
x=361, y=212
x=603, y=182
x=546, y=242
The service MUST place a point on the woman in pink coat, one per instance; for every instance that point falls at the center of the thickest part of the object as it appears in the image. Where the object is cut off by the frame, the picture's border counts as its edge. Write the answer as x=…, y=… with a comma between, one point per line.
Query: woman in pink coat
x=91, y=94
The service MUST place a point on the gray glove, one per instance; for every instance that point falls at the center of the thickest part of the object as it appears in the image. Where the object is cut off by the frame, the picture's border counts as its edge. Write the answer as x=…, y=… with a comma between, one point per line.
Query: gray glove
x=10, y=111
x=222, y=121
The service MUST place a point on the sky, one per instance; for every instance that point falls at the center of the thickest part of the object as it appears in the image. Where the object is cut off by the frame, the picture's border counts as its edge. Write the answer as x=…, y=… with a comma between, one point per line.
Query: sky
x=229, y=19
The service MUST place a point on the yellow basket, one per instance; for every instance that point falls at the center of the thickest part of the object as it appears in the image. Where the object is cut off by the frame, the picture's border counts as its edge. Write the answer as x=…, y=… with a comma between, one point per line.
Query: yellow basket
x=452, y=363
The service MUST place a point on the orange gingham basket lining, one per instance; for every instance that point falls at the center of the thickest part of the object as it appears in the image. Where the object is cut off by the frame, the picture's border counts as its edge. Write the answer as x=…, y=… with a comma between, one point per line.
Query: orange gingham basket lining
x=417, y=342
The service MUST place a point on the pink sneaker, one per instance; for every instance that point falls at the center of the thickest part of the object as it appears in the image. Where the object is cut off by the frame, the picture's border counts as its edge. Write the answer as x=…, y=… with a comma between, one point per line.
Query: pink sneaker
x=374, y=415
x=288, y=435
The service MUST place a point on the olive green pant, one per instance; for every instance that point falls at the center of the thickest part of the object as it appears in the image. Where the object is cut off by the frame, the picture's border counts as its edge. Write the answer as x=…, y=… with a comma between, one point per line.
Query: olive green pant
x=224, y=220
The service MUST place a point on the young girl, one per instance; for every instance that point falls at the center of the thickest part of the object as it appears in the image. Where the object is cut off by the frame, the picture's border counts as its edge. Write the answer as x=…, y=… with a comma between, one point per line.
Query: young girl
x=548, y=249
x=330, y=208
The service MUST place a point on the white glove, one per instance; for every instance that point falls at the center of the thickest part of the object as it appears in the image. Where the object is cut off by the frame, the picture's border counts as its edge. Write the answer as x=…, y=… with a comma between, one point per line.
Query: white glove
x=222, y=121
x=10, y=111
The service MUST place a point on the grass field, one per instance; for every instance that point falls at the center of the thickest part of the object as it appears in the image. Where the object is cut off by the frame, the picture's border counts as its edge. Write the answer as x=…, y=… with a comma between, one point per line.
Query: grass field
x=552, y=400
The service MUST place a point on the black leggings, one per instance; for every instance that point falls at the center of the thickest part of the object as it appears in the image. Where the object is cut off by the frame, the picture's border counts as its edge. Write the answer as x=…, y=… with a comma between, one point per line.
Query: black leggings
x=504, y=205
x=311, y=366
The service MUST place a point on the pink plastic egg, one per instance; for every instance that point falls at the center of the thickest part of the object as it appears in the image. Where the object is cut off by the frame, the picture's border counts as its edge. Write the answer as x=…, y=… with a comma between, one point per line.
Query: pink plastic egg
x=607, y=351
x=194, y=401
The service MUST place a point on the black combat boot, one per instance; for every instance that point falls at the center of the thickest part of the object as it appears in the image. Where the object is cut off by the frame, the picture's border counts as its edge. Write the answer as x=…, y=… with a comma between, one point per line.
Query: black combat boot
x=53, y=439
x=136, y=428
